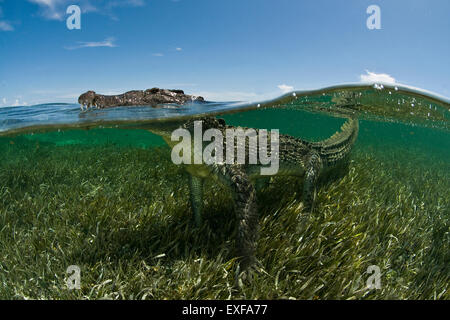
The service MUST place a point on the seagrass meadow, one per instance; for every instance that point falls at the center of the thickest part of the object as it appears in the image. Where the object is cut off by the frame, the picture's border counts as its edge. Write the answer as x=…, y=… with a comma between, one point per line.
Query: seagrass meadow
x=111, y=201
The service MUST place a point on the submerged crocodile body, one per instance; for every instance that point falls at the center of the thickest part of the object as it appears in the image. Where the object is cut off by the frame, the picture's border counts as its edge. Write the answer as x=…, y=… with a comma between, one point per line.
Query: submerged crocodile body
x=152, y=97
x=296, y=158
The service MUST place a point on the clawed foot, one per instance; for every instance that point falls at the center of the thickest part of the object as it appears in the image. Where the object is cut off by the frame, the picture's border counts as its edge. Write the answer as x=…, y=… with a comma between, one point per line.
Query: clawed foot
x=302, y=210
x=246, y=272
x=303, y=215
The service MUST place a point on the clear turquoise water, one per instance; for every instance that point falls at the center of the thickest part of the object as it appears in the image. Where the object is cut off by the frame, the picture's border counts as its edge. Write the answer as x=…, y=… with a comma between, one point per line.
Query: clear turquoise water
x=56, y=161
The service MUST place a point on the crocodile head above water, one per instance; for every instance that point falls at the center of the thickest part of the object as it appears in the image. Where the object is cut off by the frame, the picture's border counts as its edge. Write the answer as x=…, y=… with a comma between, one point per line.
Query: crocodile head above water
x=151, y=97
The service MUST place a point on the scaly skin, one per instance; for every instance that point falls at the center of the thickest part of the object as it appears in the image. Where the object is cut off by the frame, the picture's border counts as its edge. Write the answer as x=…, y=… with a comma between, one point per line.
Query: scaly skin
x=152, y=97
x=296, y=158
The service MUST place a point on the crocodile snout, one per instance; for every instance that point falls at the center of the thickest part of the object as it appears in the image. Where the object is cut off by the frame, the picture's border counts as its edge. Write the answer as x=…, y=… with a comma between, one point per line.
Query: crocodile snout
x=87, y=99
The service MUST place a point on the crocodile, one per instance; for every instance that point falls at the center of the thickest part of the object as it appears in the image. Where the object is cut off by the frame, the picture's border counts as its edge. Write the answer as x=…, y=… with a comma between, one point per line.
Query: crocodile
x=152, y=97
x=297, y=157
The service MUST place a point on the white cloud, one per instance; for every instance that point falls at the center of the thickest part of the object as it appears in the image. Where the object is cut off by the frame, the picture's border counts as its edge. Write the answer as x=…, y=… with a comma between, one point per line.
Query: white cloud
x=377, y=77
x=285, y=88
x=18, y=103
x=51, y=9
x=108, y=42
x=158, y=54
x=178, y=49
x=56, y=9
x=4, y=100
x=5, y=26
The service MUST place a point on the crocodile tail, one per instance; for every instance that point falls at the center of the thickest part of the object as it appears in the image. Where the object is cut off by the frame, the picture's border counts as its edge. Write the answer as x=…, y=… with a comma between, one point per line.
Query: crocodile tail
x=338, y=146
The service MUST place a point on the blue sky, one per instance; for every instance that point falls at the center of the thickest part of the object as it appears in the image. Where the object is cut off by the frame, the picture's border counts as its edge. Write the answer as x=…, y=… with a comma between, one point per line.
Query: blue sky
x=223, y=50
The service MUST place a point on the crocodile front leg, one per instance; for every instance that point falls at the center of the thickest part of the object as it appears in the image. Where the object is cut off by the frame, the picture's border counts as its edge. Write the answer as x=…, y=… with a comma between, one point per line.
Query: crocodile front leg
x=313, y=166
x=244, y=196
x=196, y=191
